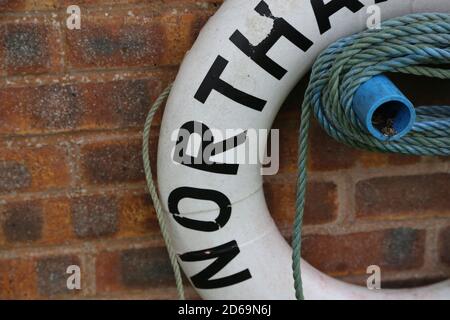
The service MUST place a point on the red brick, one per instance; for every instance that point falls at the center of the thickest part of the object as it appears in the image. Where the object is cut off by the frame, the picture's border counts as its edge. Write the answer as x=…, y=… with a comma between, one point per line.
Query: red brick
x=13, y=175
x=288, y=146
x=181, y=30
x=118, y=104
x=396, y=249
x=321, y=202
x=27, y=5
x=112, y=162
x=137, y=216
x=23, y=222
x=133, y=269
x=68, y=220
x=402, y=197
x=115, y=41
x=376, y=159
x=95, y=216
x=33, y=169
x=37, y=278
x=144, y=37
x=444, y=246
x=17, y=279
x=107, y=266
x=57, y=227
x=397, y=280
x=288, y=123
x=326, y=154
x=62, y=108
x=35, y=222
x=31, y=46
x=52, y=275
x=411, y=283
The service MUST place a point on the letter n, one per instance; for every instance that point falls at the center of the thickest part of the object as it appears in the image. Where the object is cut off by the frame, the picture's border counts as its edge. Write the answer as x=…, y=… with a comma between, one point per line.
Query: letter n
x=223, y=255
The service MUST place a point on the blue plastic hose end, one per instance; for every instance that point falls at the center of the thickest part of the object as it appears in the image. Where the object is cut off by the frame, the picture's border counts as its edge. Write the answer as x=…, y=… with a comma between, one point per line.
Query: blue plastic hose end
x=383, y=109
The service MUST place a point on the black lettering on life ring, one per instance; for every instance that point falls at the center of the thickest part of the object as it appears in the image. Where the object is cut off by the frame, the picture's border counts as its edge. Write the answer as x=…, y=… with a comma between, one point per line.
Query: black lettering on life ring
x=258, y=53
x=201, y=194
x=208, y=149
x=223, y=254
x=324, y=11
x=212, y=82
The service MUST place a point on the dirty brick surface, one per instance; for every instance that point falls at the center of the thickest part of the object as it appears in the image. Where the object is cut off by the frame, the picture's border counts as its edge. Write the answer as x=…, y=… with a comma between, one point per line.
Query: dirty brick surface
x=72, y=188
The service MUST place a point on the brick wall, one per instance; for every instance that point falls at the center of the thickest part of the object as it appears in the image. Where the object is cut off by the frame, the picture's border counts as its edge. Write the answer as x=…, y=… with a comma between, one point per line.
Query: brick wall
x=72, y=189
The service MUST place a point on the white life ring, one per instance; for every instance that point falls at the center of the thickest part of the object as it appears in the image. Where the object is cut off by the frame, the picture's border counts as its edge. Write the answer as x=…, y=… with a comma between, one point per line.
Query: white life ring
x=244, y=63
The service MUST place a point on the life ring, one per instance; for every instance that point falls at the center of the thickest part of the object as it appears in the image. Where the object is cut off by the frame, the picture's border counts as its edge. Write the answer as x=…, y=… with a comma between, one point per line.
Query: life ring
x=244, y=63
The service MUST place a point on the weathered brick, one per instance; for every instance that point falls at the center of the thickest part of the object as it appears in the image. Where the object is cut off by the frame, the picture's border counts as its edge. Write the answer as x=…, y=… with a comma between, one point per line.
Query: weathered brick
x=13, y=176
x=397, y=280
x=395, y=249
x=35, y=222
x=23, y=222
x=181, y=29
x=141, y=37
x=146, y=267
x=57, y=107
x=107, y=267
x=369, y=159
x=288, y=145
x=52, y=275
x=133, y=269
x=17, y=279
x=31, y=46
x=118, y=103
x=411, y=283
x=95, y=216
x=57, y=227
x=39, y=168
x=62, y=108
x=27, y=5
x=122, y=215
x=115, y=41
x=137, y=216
x=40, y=109
x=112, y=162
x=444, y=246
x=400, y=247
x=405, y=196
x=326, y=154
x=67, y=220
x=321, y=202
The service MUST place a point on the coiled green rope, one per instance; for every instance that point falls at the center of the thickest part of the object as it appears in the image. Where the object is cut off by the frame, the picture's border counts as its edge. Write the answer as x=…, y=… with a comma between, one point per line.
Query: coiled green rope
x=412, y=44
x=415, y=44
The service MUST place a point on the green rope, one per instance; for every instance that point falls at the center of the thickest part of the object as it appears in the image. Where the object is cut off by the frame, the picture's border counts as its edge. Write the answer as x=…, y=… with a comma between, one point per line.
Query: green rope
x=409, y=45
x=154, y=194
x=413, y=44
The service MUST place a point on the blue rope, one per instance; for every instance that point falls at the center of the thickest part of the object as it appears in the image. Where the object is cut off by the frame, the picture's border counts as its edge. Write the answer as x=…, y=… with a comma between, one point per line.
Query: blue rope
x=417, y=44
